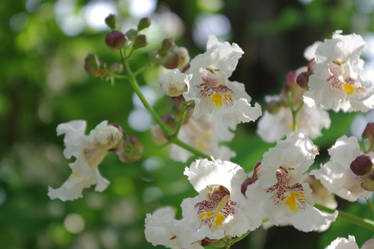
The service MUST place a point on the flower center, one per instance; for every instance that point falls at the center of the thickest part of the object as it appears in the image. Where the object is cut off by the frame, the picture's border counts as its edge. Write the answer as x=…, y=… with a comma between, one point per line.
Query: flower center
x=283, y=192
x=340, y=79
x=216, y=208
x=212, y=88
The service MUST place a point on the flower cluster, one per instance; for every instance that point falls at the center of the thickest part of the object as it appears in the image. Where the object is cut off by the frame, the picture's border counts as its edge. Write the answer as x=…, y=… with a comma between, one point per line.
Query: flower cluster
x=229, y=203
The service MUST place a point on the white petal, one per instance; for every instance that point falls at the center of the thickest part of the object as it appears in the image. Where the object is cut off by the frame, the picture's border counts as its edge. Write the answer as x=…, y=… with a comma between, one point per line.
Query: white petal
x=343, y=243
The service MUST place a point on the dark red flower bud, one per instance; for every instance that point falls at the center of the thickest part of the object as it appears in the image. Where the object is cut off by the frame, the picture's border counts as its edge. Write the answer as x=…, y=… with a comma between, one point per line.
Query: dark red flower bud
x=303, y=79
x=115, y=40
x=362, y=165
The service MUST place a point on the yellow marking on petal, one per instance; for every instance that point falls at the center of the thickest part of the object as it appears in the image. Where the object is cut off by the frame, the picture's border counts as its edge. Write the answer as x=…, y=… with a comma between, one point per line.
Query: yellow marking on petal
x=219, y=219
x=217, y=99
x=206, y=214
x=201, y=145
x=349, y=89
x=291, y=200
x=74, y=174
x=227, y=96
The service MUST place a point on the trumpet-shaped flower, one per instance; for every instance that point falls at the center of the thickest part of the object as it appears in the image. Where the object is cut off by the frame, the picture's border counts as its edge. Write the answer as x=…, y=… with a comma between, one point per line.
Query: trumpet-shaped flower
x=310, y=121
x=336, y=82
x=161, y=228
x=218, y=210
x=213, y=92
x=337, y=176
x=89, y=151
x=286, y=198
x=205, y=135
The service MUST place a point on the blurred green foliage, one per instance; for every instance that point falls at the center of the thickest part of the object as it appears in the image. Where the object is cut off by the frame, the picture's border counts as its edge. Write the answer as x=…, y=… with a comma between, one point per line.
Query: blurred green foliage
x=43, y=84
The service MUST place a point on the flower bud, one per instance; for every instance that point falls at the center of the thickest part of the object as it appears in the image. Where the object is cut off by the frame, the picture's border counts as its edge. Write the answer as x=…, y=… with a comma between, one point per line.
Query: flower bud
x=115, y=40
x=131, y=33
x=158, y=135
x=362, y=165
x=93, y=66
x=144, y=23
x=206, y=242
x=130, y=150
x=140, y=41
x=177, y=57
x=369, y=131
x=116, y=68
x=303, y=79
x=273, y=106
x=111, y=21
x=167, y=44
x=368, y=182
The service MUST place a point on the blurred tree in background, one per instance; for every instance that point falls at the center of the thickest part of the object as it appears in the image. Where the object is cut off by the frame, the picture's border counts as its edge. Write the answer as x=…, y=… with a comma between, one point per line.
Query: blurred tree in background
x=43, y=83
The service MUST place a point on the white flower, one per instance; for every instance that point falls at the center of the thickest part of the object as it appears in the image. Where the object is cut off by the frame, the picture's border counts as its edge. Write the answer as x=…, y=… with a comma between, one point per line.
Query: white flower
x=310, y=121
x=89, y=152
x=205, y=135
x=174, y=83
x=211, y=90
x=336, y=82
x=285, y=196
x=336, y=174
x=218, y=209
x=343, y=243
x=161, y=228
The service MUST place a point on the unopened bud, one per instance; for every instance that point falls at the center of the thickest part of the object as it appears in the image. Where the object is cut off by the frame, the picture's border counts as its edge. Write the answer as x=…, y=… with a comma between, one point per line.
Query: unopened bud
x=362, y=165
x=167, y=44
x=92, y=65
x=140, y=41
x=177, y=57
x=158, y=135
x=369, y=131
x=273, y=106
x=144, y=23
x=111, y=21
x=131, y=150
x=368, y=182
x=115, y=40
x=116, y=68
x=131, y=33
x=303, y=79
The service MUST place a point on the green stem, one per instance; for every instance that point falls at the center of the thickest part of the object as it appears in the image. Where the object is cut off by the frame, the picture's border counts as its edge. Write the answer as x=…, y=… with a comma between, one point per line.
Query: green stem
x=365, y=223
x=165, y=129
x=294, y=111
x=188, y=147
x=181, y=121
x=137, y=90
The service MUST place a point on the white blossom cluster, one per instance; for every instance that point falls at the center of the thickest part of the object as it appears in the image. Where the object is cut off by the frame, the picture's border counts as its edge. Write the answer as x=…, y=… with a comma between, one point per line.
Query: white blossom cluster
x=282, y=189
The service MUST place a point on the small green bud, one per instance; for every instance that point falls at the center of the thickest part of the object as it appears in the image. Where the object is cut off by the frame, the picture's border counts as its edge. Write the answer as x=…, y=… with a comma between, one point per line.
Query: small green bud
x=115, y=40
x=93, y=66
x=144, y=23
x=111, y=21
x=140, y=41
x=167, y=44
x=131, y=33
